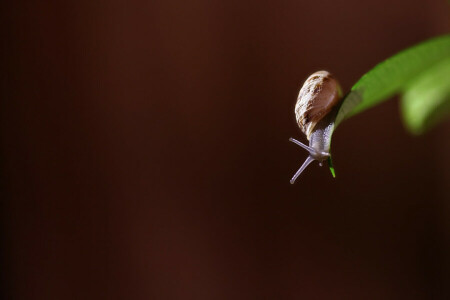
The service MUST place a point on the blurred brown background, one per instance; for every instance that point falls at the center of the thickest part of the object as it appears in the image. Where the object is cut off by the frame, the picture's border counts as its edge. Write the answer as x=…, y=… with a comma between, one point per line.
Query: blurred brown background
x=145, y=154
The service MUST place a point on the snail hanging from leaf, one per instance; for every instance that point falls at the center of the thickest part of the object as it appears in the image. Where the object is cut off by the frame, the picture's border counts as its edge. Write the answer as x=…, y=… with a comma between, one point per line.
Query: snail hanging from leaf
x=315, y=111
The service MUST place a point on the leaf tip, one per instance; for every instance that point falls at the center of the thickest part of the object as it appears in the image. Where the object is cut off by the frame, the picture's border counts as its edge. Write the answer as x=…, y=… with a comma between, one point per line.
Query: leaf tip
x=330, y=165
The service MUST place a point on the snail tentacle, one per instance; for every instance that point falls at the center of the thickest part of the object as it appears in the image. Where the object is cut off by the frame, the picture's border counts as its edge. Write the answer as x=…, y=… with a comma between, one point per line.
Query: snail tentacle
x=308, y=160
x=307, y=148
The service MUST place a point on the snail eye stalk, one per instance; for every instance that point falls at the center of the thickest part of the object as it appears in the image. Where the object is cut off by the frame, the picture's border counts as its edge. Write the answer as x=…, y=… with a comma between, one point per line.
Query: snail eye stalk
x=308, y=160
x=307, y=148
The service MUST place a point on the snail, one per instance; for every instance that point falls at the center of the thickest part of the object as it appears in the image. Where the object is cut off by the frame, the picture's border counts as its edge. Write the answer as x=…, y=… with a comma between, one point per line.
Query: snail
x=315, y=111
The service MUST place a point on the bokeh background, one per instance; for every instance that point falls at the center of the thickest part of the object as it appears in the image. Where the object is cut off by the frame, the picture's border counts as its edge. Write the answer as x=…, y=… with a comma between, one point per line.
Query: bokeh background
x=145, y=154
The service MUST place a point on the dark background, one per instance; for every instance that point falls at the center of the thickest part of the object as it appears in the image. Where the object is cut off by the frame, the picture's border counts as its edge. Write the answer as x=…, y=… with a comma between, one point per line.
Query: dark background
x=145, y=154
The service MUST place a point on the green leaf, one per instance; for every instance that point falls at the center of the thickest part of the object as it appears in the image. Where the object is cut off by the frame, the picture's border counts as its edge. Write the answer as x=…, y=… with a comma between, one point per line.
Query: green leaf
x=421, y=72
x=393, y=76
x=330, y=165
x=426, y=99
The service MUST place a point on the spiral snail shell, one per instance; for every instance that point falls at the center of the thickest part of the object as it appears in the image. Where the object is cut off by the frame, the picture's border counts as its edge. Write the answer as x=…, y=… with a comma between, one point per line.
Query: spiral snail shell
x=315, y=112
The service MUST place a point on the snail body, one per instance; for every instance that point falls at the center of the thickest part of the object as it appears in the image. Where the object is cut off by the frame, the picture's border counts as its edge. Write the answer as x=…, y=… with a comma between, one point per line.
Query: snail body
x=315, y=113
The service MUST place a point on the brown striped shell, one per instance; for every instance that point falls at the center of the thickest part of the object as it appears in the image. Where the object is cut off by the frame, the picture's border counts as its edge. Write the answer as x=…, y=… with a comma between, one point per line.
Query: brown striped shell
x=318, y=95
